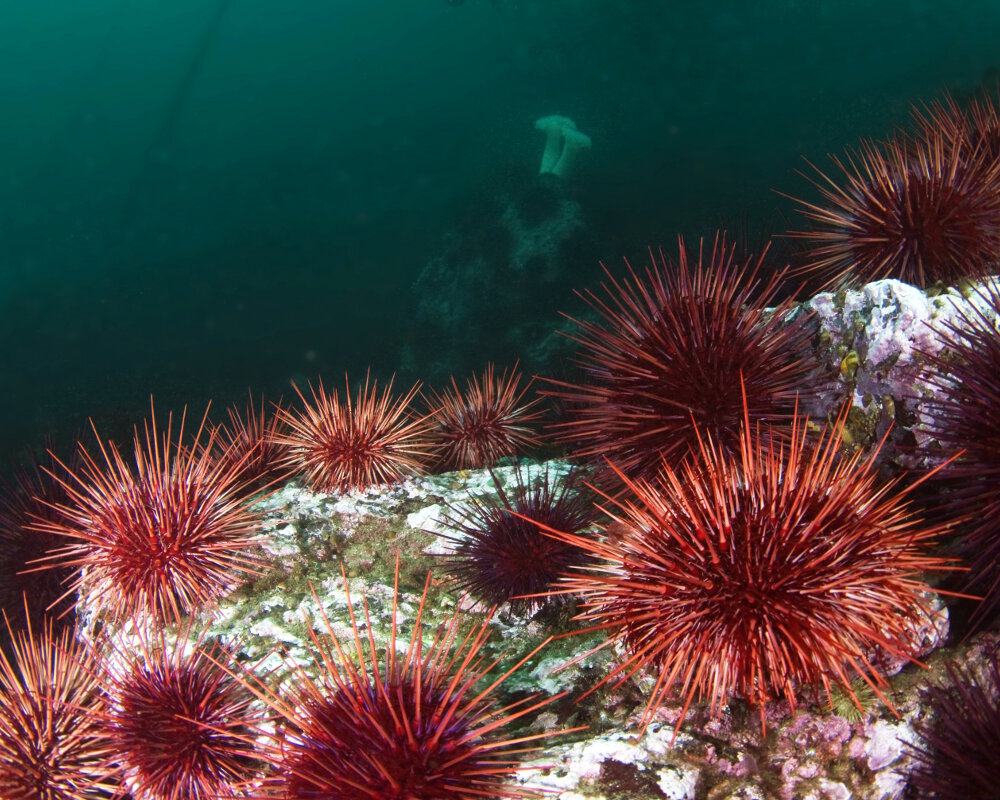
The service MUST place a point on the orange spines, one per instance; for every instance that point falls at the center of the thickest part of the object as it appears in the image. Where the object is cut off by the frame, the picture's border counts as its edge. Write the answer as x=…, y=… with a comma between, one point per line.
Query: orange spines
x=51, y=741
x=917, y=210
x=249, y=438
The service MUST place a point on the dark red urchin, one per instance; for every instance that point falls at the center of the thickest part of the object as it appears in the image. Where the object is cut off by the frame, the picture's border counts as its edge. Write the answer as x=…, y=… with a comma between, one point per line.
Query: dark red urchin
x=162, y=539
x=959, y=756
x=179, y=724
x=27, y=498
x=250, y=440
x=500, y=555
x=51, y=743
x=919, y=211
x=337, y=446
x=485, y=423
x=421, y=726
x=755, y=575
x=963, y=416
x=670, y=355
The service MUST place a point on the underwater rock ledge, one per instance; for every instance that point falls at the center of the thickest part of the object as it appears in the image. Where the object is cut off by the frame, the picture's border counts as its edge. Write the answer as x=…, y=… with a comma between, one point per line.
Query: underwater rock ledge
x=872, y=343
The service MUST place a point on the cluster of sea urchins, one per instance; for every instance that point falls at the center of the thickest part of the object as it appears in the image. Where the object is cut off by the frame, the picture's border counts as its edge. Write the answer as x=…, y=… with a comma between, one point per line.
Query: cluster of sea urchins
x=740, y=555
x=171, y=719
x=337, y=443
x=149, y=541
x=179, y=720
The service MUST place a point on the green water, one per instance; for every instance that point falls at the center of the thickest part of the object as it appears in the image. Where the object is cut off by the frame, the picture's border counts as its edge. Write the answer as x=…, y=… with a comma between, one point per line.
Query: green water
x=203, y=196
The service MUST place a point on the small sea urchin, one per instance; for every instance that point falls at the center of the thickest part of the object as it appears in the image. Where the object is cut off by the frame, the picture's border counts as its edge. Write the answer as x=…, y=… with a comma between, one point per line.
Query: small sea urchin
x=337, y=446
x=51, y=743
x=919, y=211
x=423, y=725
x=159, y=540
x=486, y=422
x=178, y=723
x=500, y=555
x=753, y=576
x=670, y=356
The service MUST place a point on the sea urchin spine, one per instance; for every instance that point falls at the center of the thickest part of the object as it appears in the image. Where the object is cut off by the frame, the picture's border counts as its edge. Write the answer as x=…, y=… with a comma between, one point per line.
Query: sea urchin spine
x=249, y=439
x=51, y=742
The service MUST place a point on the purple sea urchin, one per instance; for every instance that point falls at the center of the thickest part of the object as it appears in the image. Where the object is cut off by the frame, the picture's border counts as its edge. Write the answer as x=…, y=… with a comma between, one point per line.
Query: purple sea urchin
x=959, y=757
x=964, y=417
x=178, y=724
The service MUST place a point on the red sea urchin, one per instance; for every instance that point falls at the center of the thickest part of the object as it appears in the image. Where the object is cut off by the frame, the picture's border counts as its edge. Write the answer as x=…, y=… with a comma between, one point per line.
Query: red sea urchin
x=963, y=416
x=419, y=726
x=337, y=446
x=51, y=743
x=178, y=723
x=919, y=211
x=499, y=554
x=752, y=576
x=670, y=356
x=488, y=421
x=159, y=540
